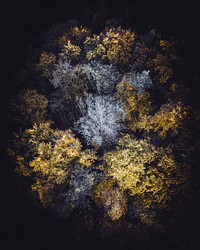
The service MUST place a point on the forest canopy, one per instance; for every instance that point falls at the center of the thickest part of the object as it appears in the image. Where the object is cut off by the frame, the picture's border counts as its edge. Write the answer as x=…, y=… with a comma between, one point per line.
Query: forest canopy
x=101, y=125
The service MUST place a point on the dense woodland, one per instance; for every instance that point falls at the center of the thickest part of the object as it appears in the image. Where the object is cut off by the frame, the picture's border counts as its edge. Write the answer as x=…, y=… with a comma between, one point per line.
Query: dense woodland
x=101, y=132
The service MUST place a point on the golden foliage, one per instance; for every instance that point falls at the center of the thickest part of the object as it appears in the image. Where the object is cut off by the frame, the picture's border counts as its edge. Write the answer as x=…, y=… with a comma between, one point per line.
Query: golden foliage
x=62, y=40
x=87, y=157
x=29, y=107
x=113, y=200
x=127, y=163
x=174, y=87
x=46, y=61
x=76, y=34
x=116, y=46
x=70, y=51
x=39, y=133
x=148, y=219
x=79, y=32
x=94, y=40
x=52, y=164
x=164, y=43
x=91, y=44
x=119, y=45
x=24, y=146
x=168, y=46
x=47, y=155
x=136, y=105
x=169, y=117
x=22, y=167
x=162, y=67
x=149, y=173
x=161, y=62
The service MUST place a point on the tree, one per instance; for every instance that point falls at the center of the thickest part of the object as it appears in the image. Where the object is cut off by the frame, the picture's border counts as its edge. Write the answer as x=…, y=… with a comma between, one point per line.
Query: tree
x=136, y=105
x=70, y=51
x=70, y=84
x=169, y=117
x=114, y=45
x=161, y=61
x=46, y=62
x=102, y=78
x=107, y=195
x=78, y=191
x=150, y=174
x=47, y=156
x=102, y=91
x=141, y=81
x=29, y=107
x=101, y=118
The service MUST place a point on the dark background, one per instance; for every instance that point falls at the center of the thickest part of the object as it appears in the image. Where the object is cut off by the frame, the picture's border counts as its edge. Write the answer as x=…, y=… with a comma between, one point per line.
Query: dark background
x=22, y=226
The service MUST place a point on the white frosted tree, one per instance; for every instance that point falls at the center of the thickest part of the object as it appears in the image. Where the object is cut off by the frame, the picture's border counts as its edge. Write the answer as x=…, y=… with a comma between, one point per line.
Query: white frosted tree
x=101, y=118
x=70, y=84
x=102, y=78
x=67, y=76
x=141, y=81
x=61, y=73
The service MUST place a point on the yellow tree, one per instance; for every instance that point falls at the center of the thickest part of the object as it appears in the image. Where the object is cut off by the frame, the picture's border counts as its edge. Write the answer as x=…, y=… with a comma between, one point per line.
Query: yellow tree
x=169, y=117
x=119, y=45
x=46, y=156
x=161, y=63
x=115, y=45
x=46, y=61
x=107, y=195
x=77, y=34
x=150, y=174
x=70, y=51
x=29, y=107
x=137, y=106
